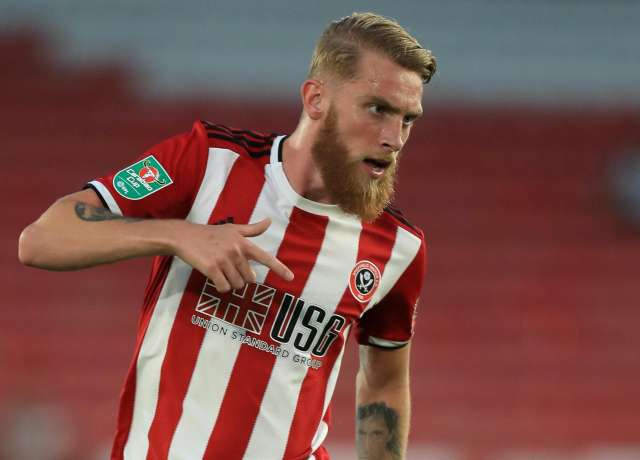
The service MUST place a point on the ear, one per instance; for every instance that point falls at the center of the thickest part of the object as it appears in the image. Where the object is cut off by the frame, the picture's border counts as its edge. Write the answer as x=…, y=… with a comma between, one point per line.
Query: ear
x=313, y=97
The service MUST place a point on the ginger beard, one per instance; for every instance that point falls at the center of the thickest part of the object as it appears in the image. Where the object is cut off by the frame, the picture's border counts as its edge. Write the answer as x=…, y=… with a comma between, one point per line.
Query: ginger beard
x=345, y=180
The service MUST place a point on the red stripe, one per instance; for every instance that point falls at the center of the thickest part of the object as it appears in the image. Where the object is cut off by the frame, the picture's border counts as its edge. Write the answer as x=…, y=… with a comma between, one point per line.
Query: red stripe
x=321, y=454
x=238, y=199
x=250, y=376
x=157, y=278
x=375, y=245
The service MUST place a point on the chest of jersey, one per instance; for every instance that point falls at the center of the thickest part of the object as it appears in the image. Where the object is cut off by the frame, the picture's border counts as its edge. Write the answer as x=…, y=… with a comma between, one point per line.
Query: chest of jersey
x=329, y=292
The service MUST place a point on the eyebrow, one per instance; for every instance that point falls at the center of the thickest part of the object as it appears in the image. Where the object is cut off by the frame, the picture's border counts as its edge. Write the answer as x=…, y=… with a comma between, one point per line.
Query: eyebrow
x=390, y=107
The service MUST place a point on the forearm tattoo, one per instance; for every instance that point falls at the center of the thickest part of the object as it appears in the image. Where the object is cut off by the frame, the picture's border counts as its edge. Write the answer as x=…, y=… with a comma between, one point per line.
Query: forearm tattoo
x=91, y=213
x=377, y=432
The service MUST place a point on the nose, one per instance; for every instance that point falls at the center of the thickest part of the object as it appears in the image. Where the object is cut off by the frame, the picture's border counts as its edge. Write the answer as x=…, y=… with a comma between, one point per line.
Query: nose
x=392, y=135
x=369, y=445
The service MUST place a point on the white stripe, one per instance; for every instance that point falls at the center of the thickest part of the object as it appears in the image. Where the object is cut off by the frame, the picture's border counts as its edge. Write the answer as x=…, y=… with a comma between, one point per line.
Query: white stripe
x=154, y=345
x=321, y=434
x=218, y=168
x=218, y=353
x=202, y=402
x=325, y=287
x=387, y=343
x=106, y=196
x=333, y=378
x=323, y=429
x=404, y=251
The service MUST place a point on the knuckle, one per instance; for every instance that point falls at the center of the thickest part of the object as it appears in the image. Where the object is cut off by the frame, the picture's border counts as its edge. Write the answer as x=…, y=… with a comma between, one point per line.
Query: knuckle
x=237, y=255
x=211, y=270
x=275, y=264
x=244, y=247
x=220, y=260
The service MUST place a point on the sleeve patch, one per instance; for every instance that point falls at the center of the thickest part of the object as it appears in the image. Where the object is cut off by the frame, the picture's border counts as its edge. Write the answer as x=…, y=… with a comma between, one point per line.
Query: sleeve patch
x=141, y=179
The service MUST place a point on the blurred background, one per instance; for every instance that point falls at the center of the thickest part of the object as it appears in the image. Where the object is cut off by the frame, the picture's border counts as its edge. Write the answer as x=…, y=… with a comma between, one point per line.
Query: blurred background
x=524, y=174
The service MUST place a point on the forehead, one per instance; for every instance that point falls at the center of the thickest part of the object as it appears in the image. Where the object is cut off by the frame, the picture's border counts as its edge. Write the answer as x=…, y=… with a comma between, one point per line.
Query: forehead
x=374, y=422
x=379, y=76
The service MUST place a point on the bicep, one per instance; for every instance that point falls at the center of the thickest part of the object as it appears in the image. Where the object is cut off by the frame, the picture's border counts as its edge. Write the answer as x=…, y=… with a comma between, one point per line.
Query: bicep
x=60, y=208
x=88, y=196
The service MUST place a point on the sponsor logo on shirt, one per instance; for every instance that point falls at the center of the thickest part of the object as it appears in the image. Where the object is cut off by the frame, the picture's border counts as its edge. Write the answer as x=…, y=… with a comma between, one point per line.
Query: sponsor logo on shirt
x=247, y=310
x=300, y=329
x=141, y=179
x=364, y=280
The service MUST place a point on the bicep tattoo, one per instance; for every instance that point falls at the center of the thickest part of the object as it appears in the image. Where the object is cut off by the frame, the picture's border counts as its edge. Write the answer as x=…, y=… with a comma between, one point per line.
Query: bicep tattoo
x=377, y=432
x=92, y=213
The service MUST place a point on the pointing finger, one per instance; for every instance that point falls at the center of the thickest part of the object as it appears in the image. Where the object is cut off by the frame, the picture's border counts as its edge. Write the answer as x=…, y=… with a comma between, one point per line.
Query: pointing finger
x=259, y=255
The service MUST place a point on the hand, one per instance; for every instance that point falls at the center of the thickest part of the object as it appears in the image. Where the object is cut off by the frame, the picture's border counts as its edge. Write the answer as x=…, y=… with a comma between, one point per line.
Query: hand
x=222, y=253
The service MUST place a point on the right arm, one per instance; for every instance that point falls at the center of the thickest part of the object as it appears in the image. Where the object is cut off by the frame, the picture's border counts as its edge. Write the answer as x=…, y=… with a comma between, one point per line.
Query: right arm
x=78, y=232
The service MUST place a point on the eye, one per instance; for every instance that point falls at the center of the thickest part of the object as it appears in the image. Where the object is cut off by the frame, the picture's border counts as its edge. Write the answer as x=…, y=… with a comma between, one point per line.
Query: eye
x=376, y=109
x=408, y=121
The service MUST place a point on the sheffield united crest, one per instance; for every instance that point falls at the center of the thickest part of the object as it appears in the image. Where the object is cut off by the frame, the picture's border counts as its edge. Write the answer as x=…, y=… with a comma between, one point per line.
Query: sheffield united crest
x=364, y=280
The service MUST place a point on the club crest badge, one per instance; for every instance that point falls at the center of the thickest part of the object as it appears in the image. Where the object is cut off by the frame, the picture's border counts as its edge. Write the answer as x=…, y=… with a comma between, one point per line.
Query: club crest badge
x=364, y=280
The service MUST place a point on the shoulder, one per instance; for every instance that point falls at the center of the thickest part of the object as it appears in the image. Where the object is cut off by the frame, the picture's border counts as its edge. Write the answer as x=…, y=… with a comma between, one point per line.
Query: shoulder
x=247, y=143
x=393, y=216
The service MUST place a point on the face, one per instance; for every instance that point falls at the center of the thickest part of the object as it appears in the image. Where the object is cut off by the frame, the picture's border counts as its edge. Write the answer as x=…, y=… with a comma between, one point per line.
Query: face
x=373, y=436
x=368, y=121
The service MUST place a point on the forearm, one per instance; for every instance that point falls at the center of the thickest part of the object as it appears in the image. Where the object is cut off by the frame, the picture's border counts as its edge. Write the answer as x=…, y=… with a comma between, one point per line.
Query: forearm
x=389, y=398
x=73, y=234
x=78, y=232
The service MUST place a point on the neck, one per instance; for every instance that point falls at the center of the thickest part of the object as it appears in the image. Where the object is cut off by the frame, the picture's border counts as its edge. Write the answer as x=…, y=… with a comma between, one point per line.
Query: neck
x=299, y=166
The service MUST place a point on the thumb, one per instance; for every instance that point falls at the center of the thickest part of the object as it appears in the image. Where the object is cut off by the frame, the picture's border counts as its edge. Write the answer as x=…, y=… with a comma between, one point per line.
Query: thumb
x=254, y=229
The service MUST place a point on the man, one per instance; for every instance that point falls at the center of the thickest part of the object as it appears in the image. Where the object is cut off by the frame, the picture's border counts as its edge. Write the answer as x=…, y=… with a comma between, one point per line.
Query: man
x=268, y=251
x=377, y=439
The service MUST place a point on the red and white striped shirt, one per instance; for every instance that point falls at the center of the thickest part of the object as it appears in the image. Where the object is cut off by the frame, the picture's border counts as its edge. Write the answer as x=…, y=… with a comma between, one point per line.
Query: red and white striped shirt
x=250, y=374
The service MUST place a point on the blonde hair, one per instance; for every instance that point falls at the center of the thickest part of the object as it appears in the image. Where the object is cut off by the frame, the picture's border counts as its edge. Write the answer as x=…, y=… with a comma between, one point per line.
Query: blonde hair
x=340, y=45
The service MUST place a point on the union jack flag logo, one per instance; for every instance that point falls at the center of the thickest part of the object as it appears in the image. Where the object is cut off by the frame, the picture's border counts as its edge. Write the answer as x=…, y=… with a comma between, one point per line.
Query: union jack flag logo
x=246, y=308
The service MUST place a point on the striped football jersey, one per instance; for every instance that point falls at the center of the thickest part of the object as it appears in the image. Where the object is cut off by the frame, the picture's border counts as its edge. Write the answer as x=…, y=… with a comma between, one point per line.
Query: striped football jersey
x=249, y=374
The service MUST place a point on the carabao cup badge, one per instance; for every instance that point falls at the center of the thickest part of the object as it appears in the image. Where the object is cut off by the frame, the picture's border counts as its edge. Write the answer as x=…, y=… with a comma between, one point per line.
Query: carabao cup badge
x=141, y=179
x=364, y=280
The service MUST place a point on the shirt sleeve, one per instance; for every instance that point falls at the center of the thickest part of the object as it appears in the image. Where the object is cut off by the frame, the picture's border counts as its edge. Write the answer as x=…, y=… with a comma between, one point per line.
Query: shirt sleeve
x=390, y=323
x=160, y=183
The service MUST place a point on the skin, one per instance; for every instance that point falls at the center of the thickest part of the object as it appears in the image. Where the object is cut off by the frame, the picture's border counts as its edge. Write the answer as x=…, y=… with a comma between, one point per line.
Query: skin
x=373, y=436
x=383, y=376
x=375, y=113
x=77, y=232
x=365, y=195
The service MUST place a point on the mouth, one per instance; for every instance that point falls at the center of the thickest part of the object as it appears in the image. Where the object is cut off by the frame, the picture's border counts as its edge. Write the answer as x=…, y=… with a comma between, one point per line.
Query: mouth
x=376, y=166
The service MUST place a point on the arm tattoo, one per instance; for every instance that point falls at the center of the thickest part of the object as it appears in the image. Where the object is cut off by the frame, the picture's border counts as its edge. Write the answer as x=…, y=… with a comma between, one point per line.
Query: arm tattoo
x=91, y=213
x=377, y=432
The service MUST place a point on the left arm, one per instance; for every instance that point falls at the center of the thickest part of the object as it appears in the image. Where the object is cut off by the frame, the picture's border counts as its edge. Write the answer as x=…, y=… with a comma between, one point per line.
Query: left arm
x=382, y=395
